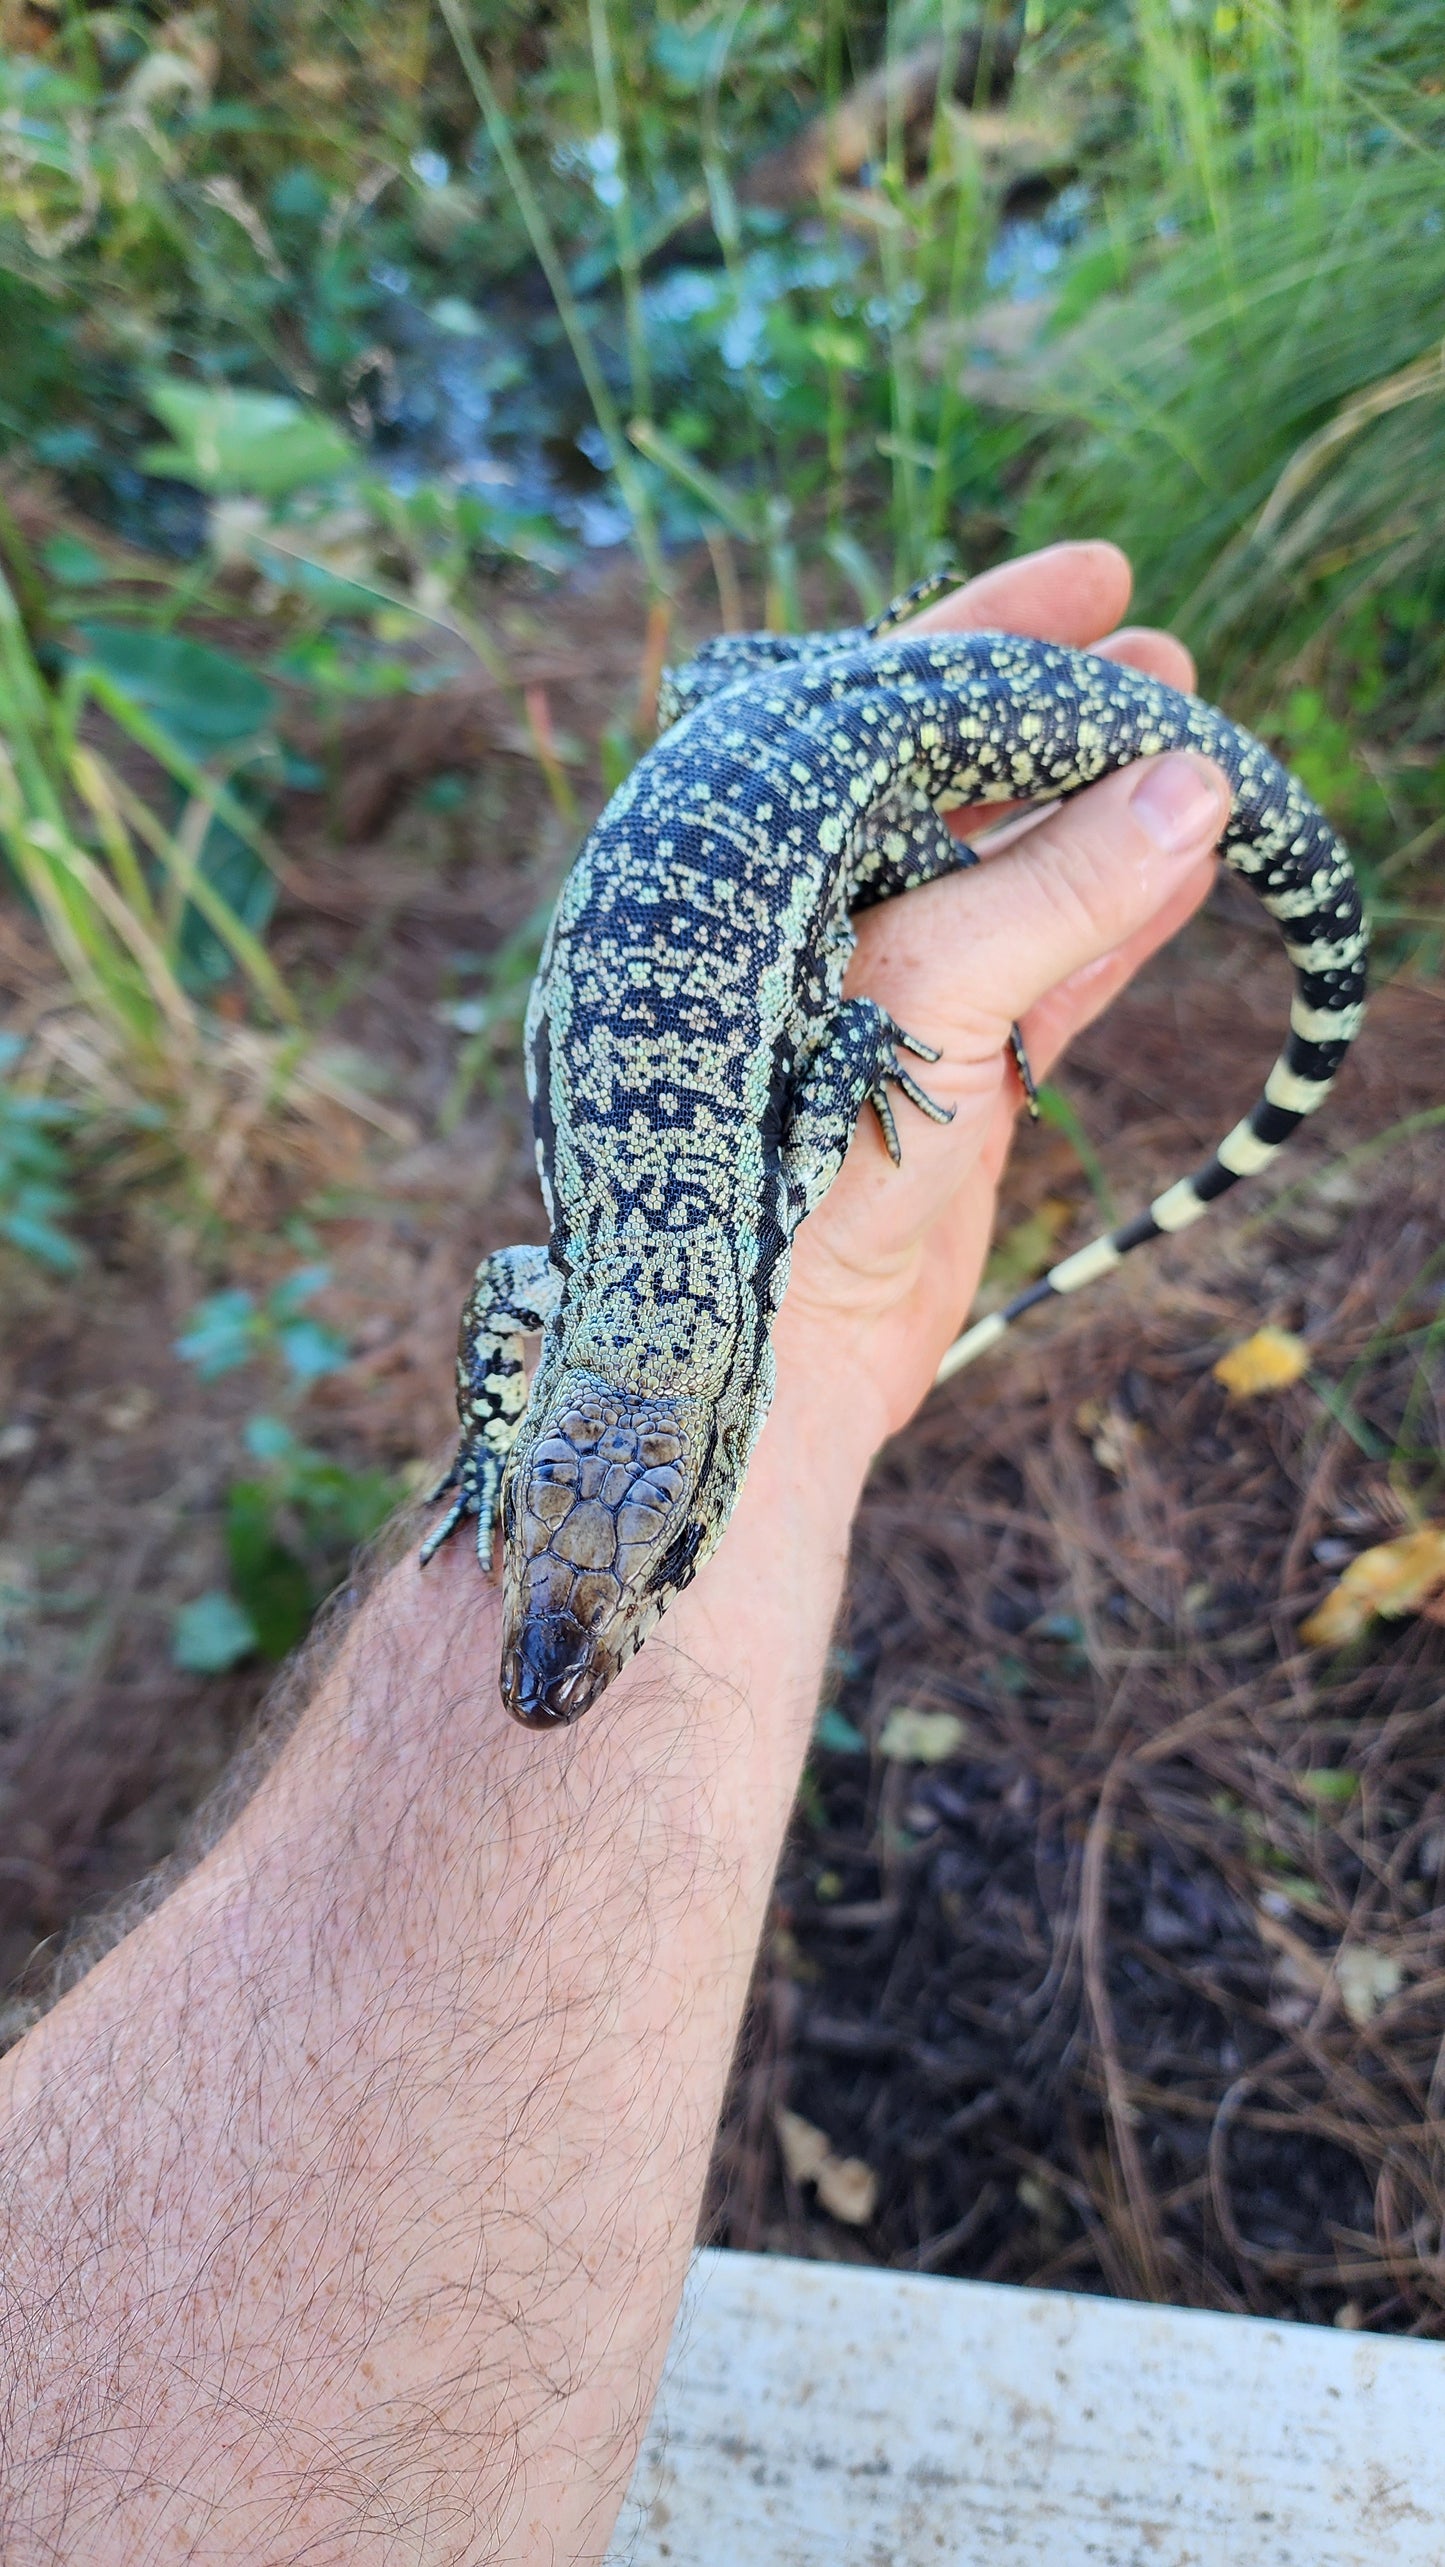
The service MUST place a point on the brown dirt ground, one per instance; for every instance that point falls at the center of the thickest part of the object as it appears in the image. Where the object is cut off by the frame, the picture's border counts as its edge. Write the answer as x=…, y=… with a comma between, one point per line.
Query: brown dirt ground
x=1071, y=1994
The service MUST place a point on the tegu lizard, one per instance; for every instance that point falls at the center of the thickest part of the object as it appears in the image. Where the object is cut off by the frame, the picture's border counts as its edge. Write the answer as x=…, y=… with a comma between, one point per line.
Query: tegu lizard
x=696, y=1074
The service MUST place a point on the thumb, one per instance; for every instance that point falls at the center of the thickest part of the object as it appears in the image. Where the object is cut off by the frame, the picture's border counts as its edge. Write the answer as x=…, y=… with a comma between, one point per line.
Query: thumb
x=1079, y=885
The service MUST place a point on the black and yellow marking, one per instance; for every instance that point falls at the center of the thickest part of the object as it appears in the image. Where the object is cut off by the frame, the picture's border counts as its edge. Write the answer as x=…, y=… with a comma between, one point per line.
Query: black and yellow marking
x=696, y=1070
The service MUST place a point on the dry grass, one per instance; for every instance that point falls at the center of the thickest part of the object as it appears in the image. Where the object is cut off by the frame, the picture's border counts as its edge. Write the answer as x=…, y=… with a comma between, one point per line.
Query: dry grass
x=1076, y=1994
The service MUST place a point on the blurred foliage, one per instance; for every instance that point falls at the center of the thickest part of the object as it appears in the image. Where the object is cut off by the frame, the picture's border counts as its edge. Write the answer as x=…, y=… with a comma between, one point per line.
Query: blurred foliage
x=232, y=1328
x=294, y=1518
x=315, y=205
x=350, y=307
x=36, y=1198
x=291, y=1528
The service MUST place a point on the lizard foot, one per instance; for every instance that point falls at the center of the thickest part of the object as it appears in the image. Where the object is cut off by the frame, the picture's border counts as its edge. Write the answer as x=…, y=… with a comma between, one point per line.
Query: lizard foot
x=476, y=1475
x=896, y=1075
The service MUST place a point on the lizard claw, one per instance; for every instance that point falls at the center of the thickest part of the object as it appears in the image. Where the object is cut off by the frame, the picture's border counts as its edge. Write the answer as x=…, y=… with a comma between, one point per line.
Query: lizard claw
x=910, y=1043
x=878, y=1098
x=896, y=1075
x=448, y=1524
x=1026, y=1077
x=476, y=1475
x=919, y=1096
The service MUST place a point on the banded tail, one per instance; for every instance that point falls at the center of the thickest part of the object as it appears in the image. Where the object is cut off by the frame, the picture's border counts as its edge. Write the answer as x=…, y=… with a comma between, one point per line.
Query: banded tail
x=1301, y=1079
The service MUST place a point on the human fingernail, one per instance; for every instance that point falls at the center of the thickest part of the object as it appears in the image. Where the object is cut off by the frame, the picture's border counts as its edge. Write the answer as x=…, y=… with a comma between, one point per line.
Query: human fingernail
x=1180, y=802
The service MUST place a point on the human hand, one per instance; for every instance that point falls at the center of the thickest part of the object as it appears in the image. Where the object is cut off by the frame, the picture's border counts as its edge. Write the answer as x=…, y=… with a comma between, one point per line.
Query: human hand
x=1046, y=932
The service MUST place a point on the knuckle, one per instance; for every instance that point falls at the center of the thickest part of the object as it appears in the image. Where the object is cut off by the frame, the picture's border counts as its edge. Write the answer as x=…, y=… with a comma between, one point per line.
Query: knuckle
x=1087, y=870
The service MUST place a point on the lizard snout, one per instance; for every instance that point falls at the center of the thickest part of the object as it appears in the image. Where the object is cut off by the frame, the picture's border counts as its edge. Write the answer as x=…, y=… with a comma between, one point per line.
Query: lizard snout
x=552, y=1672
x=598, y=1541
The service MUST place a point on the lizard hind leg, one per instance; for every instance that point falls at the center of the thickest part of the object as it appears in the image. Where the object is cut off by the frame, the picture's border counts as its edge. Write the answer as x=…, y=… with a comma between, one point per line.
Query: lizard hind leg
x=904, y=842
x=514, y=1295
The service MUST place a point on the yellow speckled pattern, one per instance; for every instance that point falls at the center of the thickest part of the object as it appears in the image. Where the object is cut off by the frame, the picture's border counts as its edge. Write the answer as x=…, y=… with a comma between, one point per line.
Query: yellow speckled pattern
x=696, y=1072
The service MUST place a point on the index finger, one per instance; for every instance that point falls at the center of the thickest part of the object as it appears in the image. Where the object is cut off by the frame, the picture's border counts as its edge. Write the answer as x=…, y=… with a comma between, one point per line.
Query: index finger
x=1074, y=593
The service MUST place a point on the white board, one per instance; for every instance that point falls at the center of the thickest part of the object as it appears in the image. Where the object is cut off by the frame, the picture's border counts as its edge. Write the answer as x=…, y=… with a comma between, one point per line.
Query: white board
x=822, y=2415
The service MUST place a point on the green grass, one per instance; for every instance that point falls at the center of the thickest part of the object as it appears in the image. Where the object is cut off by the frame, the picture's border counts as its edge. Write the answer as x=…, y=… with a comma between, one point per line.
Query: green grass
x=117, y=889
x=1264, y=409
x=1240, y=376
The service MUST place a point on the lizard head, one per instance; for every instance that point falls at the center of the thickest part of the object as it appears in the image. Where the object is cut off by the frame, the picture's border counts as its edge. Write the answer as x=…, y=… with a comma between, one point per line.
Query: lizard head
x=600, y=1533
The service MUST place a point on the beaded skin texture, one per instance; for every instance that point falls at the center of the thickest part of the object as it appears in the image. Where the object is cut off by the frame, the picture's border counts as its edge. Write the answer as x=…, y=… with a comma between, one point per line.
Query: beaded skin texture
x=696, y=1075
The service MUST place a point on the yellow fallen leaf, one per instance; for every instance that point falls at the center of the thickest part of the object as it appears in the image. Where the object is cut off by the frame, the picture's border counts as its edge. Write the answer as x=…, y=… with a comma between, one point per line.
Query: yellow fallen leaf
x=804, y=2146
x=1269, y=1360
x=1392, y=1578
x=1367, y=1980
x=847, y=2186
x=921, y=1737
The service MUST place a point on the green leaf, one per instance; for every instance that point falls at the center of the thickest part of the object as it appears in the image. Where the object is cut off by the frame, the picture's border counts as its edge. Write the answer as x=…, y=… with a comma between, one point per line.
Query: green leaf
x=258, y=442
x=686, y=55
x=269, y=1439
x=206, y=699
x=222, y=1335
x=1332, y=1786
x=311, y=1350
x=40, y=1239
x=248, y=889
x=273, y=1585
x=212, y=1633
x=73, y=563
x=735, y=509
x=837, y=1734
x=847, y=554
x=290, y=1296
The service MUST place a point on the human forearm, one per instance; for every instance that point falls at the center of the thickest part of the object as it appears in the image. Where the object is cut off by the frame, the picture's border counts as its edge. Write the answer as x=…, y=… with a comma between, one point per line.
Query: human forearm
x=348, y=2199
x=396, y=2116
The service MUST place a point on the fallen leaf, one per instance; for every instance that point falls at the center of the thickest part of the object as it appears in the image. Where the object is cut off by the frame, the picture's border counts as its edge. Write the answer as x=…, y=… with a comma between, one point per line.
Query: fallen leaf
x=1303, y=1966
x=1392, y=1578
x=804, y=2146
x=1112, y=1436
x=1269, y=1360
x=132, y=1409
x=847, y=2187
x=921, y=1737
x=1367, y=1980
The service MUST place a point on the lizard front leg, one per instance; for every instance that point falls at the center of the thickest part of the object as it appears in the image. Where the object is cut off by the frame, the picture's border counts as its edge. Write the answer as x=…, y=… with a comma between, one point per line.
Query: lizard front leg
x=855, y=1064
x=515, y=1294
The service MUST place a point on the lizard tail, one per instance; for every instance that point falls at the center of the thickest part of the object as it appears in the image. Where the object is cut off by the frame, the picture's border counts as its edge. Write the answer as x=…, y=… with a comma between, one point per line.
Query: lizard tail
x=1327, y=941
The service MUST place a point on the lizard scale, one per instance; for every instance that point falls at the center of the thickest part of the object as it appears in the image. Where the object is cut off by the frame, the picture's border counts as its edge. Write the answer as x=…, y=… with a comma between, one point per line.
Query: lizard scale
x=696, y=1074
